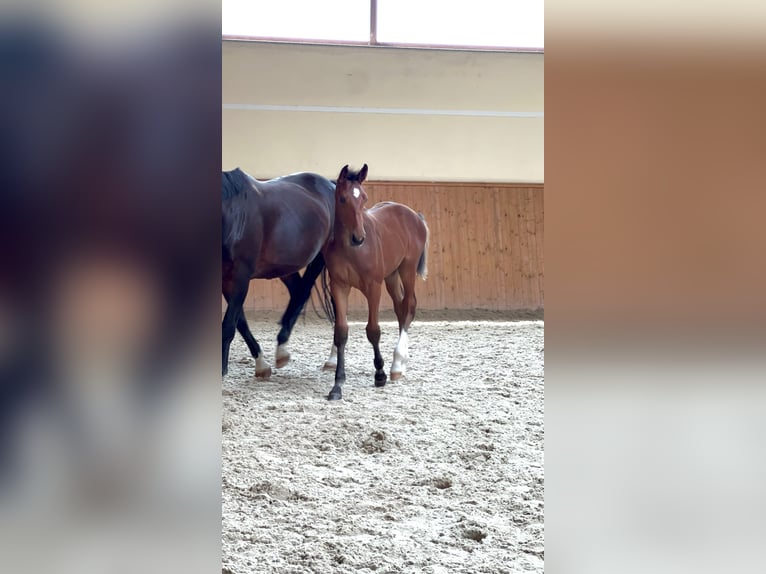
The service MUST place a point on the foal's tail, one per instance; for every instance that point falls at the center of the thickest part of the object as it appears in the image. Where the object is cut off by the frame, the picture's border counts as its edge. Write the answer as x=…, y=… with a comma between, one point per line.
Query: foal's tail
x=423, y=262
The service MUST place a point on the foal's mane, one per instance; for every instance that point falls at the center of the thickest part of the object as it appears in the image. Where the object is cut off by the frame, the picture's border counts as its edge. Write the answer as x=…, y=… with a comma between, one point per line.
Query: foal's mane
x=233, y=182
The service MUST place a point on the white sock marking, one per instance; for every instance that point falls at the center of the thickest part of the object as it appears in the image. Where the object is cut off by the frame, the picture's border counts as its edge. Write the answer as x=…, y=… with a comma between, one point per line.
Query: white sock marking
x=282, y=351
x=333, y=358
x=401, y=354
x=261, y=364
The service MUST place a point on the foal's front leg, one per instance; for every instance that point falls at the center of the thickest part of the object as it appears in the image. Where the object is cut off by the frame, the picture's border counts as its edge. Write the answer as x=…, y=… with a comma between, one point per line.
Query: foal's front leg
x=373, y=331
x=340, y=294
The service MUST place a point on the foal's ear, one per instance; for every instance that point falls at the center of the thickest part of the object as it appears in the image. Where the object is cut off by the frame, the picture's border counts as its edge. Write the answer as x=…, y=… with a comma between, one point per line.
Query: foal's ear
x=343, y=172
x=363, y=173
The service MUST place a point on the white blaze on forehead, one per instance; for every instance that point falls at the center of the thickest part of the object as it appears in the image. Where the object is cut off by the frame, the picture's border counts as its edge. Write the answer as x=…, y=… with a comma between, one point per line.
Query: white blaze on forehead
x=356, y=192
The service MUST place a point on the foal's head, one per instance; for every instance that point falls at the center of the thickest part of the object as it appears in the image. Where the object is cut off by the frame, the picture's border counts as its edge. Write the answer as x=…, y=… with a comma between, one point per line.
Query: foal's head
x=350, y=199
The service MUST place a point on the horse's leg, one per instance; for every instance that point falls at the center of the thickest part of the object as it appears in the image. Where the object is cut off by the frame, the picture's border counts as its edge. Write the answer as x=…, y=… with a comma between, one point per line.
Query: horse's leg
x=235, y=292
x=396, y=291
x=340, y=295
x=405, y=313
x=294, y=285
x=332, y=361
x=262, y=368
x=373, y=331
x=300, y=292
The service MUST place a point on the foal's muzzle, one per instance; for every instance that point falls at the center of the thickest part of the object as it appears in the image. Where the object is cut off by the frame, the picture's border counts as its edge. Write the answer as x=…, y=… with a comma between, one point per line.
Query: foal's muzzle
x=356, y=242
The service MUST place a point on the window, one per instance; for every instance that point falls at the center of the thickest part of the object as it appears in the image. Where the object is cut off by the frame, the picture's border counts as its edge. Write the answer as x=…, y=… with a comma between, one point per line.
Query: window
x=323, y=20
x=498, y=24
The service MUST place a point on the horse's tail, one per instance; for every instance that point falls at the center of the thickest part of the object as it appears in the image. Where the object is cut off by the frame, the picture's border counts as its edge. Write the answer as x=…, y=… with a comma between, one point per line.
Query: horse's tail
x=316, y=269
x=423, y=262
x=325, y=298
x=233, y=224
x=232, y=208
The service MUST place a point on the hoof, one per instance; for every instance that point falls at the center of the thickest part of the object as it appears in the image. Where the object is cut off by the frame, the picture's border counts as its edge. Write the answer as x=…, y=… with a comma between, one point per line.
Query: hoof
x=282, y=356
x=396, y=376
x=334, y=396
x=329, y=367
x=380, y=379
x=263, y=373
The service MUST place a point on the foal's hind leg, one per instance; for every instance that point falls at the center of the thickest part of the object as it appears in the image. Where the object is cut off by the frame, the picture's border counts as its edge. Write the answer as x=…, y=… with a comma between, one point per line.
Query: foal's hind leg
x=402, y=291
x=373, y=331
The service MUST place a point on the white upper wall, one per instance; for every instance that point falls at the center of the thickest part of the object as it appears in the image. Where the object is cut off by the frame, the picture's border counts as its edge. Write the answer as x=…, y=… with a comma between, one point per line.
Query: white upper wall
x=273, y=132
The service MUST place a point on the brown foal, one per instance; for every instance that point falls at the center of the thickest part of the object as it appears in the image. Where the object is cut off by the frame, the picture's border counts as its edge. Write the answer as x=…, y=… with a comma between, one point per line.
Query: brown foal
x=386, y=243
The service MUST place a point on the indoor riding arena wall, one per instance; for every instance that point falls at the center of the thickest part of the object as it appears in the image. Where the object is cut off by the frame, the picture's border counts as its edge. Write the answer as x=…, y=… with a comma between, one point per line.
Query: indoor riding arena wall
x=457, y=135
x=486, y=247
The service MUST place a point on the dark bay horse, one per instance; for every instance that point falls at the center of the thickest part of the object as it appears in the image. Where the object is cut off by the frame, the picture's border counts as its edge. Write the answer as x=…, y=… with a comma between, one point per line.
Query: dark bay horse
x=271, y=229
x=386, y=243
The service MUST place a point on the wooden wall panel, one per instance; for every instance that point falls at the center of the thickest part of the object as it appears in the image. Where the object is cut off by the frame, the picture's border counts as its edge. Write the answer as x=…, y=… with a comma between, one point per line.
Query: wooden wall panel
x=486, y=247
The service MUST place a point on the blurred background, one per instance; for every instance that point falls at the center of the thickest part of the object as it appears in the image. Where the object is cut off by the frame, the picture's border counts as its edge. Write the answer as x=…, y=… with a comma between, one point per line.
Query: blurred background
x=109, y=398
x=655, y=284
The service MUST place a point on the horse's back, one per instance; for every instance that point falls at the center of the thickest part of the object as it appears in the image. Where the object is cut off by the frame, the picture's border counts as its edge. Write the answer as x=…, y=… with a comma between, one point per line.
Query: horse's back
x=307, y=199
x=402, y=232
x=392, y=214
x=235, y=182
x=279, y=225
x=302, y=195
x=390, y=209
x=307, y=182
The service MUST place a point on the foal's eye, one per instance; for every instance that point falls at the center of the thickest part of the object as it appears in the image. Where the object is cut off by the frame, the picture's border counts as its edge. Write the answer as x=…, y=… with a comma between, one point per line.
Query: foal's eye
x=343, y=200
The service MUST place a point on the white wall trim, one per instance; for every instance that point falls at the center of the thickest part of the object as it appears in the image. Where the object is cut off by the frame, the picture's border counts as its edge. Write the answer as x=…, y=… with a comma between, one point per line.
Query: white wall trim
x=390, y=111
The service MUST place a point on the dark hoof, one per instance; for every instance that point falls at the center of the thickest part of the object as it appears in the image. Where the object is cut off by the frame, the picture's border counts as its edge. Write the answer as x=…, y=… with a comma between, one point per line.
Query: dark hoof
x=334, y=396
x=380, y=379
